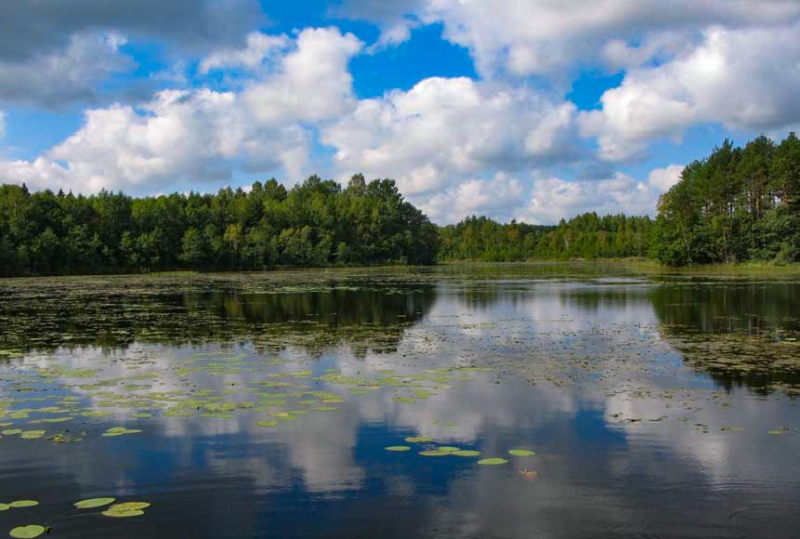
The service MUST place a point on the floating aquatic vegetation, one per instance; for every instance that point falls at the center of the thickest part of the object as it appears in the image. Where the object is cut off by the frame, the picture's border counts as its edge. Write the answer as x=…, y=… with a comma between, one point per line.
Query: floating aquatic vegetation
x=27, y=532
x=94, y=502
x=126, y=510
x=492, y=461
x=434, y=453
x=23, y=503
x=418, y=439
x=267, y=423
x=398, y=448
x=448, y=449
x=466, y=453
x=119, y=431
x=521, y=452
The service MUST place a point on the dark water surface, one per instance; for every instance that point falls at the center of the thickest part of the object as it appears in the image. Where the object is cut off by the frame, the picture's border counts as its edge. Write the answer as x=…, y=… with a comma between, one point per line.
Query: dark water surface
x=657, y=406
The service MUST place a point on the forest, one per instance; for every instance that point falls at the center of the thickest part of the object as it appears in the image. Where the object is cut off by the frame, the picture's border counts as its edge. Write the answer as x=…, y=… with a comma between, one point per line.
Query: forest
x=737, y=205
x=316, y=223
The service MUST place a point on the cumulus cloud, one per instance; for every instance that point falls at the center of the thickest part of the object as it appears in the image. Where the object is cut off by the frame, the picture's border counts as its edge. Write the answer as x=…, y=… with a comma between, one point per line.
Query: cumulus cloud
x=499, y=196
x=30, y=29
x=741, y=79
x=527, y=37
x=443, y=129
x=553, y=198
x=57, y=53
x=61, y=78
x=259, y=46
x=314, y=82
x=204, y=135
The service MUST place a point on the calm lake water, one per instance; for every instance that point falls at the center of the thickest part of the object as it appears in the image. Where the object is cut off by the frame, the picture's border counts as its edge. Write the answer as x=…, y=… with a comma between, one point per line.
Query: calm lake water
x=261, y=405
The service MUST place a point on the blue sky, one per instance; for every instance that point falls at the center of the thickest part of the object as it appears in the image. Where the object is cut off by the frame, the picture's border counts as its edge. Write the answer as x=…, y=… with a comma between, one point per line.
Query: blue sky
x=525, y=109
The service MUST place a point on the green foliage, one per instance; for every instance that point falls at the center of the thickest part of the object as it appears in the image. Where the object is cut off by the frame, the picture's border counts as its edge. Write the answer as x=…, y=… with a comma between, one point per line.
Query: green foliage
x=585, y=236
x=739, y=204
x=316, y=223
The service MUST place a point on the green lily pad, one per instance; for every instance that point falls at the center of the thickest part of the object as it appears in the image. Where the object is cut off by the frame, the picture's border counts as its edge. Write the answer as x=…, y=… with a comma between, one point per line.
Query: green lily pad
x=129, y=506
x=23, y=503
x=434, y=453
x=123, y=514
x=4, y=507
x=466, y=453
x=492, y=461
x=397, y=448
x=266, y=423
x=521, y=453
x=448, y=449
x=418, y=439
x=27, y=532
x=94, y=502
x=779, y=431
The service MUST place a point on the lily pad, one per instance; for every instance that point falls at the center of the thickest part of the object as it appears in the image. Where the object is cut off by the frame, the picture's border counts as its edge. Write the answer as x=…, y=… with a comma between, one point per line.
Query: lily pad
x=492, y=461
x=448, y=449
x=28, y=532
x=268, y=423
x=397, y=448
x=94, y=502
x=4, y=507
x=418, y=439
x=521, y=453
x=466, y=453
x=23, y=503
x=434, y=453
x=123, y=514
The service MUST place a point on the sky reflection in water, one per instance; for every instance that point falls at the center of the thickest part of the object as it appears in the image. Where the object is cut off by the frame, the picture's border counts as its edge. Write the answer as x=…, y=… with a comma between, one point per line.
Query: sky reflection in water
x=647, y=401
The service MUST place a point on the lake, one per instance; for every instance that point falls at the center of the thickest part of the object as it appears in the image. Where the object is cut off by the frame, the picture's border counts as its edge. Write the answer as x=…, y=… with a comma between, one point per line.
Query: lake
x=518, y=401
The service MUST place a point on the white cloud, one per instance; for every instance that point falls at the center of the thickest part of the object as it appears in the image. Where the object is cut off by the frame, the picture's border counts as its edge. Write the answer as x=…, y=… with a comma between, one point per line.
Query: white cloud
x=664, y=178
x=56, y=79
x=443, y=129
x=204, y=135
x=527, y=37
x=314, y=82
x=742, y=79
x=259, y=46
x=554, y=199
x=497, y=197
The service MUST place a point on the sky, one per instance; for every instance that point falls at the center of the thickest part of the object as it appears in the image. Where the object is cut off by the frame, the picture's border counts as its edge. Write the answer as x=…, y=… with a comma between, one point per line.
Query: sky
x=534, y=110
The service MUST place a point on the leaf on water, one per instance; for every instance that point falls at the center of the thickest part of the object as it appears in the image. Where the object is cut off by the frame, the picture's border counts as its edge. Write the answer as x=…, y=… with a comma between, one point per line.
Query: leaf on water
x=448, y=449
x=325, y=408
x=521, y=452
x=4, y=507
x=129, y=506
x=397, y=448
x=268, y=423
x=492, y=461
x=27, y=532
x=418, y=439
x=123, y=514
x=466, y=453
x=23, y=503
x=119, y=431
x=94, y=502
x=779, y=431
x=434, y=453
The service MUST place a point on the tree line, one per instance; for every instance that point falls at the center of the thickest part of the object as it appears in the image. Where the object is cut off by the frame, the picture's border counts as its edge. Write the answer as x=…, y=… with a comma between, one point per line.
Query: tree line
x=737, y=205
x=316, y=223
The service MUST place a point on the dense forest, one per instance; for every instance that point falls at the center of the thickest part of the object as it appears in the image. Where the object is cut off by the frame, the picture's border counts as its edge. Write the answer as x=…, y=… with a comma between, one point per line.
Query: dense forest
x=737, y=205
x=586, y=236
x=316, y=223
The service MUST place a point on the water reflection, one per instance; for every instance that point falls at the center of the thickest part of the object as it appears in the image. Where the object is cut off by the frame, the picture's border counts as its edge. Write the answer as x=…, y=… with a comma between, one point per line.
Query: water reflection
x=633, y=439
